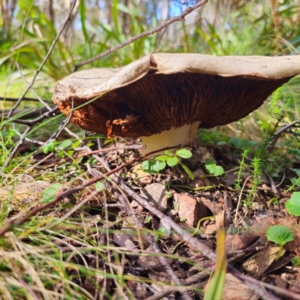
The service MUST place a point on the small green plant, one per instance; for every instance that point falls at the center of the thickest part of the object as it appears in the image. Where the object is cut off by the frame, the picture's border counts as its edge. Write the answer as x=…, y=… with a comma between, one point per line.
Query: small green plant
x=99, y=186
x=168, y=194
x=295, y=183
x=6, y=142
x=160, y=233
x=242, y=143
x=256, y=174
x=256, y=165
x=61, y=147
x=279, y=235
x=148, y=219
x=293, y=205
x=50, y=193
x=213, y=168
x=296, y=153
x=154, y=166
x=212, y=137
x=296, y=261
x=241, y=169
x=68, y=162
x=294, y=180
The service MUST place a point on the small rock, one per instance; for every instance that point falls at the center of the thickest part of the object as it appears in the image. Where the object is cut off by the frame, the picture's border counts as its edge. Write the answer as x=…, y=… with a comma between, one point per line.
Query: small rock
x=210, y=228
x=25, y=193
x=134, y=204
x=201, y=154
x=199, y=173
x=156, y=193
x=200, y=179
x=139, y=176
x=150, y=261
x=189, y=209
x=183, y=179
x=265, y=188
x=123, y=240
x=244, y=239
x=172, y=213
x=214, y=207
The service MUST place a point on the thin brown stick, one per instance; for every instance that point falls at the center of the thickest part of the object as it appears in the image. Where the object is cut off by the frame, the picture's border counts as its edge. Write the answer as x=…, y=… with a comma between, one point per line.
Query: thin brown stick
x=143, y=34
x=123, y=147
x=278, y=133
x=12, y=99
x=26, y=114
x=37, y=120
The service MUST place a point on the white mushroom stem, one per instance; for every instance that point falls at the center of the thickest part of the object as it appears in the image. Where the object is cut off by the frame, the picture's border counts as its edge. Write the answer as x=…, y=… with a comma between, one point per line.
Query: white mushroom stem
x=174, y=137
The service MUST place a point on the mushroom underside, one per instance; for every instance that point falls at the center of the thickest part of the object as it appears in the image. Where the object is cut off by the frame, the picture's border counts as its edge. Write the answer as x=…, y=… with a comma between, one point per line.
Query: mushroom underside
x=159, y=102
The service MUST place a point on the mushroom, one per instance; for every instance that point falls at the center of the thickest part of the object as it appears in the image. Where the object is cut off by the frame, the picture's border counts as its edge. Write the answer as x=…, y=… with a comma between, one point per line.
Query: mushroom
x=164, y=98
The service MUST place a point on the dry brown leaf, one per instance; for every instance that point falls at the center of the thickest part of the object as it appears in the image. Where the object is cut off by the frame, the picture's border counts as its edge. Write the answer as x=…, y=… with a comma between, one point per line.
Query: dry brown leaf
x=258, y=263
x=234, y=289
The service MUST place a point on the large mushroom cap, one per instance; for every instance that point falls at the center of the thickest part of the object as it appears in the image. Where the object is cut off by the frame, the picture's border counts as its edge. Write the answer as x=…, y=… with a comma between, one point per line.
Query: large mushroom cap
x=163, y=91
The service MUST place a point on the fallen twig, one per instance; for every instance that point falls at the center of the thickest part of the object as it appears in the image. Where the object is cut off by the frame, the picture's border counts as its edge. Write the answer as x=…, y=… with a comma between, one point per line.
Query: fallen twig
x=45, y=115
x=121, y=147
x=34, y=112
x=272, y=183
x=278, y=133
x=12, y=99
x=167, y=290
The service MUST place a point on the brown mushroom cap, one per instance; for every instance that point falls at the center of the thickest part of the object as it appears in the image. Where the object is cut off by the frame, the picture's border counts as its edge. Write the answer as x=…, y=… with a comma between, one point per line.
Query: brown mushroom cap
x=163, y=91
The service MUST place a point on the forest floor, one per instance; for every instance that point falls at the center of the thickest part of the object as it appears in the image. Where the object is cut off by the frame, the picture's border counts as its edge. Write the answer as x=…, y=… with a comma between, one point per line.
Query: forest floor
x=129, y=234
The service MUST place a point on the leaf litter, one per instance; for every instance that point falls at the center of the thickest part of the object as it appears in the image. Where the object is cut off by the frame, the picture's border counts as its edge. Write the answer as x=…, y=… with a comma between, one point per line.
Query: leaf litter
x=117, y=236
